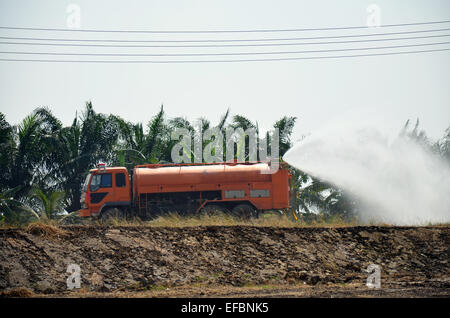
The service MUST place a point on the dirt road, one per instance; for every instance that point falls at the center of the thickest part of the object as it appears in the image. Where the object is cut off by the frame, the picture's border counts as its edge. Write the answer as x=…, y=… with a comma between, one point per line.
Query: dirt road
x=227, y=261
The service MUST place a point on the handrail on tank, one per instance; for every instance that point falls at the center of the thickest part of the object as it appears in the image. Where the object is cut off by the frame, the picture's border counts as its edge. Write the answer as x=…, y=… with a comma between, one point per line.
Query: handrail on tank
x=159, y=165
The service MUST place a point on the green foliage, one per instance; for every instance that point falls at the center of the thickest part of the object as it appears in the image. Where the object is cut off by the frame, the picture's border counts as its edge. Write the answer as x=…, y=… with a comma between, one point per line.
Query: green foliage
x=32, y=154
x=314, y=198
x=6, y=152
x=48, y=204
x=442, y=146
x=285, y=126
x=13, y=211
x=414, y=134
x=241, y=122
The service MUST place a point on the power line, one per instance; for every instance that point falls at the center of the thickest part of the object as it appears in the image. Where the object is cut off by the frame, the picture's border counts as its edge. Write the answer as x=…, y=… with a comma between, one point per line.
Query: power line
x=224, y=61
x=220, y=45
x=228, y=54
x=220, y=31
x=215, y=40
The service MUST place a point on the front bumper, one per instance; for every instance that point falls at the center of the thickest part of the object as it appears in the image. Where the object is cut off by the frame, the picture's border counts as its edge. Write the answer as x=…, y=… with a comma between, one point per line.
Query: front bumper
x=84, y=212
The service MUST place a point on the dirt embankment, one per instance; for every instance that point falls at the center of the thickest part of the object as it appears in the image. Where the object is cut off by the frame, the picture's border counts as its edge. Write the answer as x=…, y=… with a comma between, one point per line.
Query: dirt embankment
x=145, y=258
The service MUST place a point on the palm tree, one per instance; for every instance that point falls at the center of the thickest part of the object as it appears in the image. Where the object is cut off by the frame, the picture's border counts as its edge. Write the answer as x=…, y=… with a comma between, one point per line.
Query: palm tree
x=151, y=147
x=223, y=119
x=33, y=152
x=243, y=123
x=285, y=126
x=442, y=146
x=222, y=127
x=90, y=139
x=155, y=147
x=13, y=210
x=314, y=197
x=49, y=204
x=240, y=121
x=414, y=134
x=6, y=151
x=130, y=153
x=182, y=123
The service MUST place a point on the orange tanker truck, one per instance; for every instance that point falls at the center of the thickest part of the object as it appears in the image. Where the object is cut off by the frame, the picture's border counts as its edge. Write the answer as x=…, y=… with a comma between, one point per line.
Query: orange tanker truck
x=243, y=189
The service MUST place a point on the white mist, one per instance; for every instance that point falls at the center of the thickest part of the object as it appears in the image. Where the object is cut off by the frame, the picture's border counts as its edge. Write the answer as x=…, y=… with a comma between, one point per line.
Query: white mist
x=397, y=181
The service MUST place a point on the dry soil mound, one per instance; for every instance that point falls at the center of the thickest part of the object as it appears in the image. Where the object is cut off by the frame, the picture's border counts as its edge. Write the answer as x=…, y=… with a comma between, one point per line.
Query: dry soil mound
x=139, y=258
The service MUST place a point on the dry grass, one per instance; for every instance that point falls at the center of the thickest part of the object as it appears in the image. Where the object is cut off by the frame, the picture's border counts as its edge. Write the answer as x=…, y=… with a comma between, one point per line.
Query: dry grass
x=52, y=228
x=439, y=225
x=20, y=292
x=269, y=219
x=45, y=230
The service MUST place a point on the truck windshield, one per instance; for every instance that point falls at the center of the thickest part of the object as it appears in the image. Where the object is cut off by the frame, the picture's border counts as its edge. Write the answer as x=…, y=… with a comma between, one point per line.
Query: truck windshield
x=95, y=183
x=86, y=182
x=103, y=180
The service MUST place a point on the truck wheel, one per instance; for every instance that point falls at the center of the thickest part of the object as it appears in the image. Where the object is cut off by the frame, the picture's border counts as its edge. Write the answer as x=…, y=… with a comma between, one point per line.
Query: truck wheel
x=112, y=213
x=244, y=211
x=214, y=209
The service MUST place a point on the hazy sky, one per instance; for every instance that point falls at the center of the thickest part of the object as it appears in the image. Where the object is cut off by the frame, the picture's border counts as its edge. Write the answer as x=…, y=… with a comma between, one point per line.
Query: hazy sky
x=399, y=86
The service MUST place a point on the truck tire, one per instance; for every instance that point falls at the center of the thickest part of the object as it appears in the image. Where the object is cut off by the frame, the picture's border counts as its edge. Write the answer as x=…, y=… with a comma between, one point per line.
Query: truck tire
x=112, y=213
x=244, y=211
x=214, y=209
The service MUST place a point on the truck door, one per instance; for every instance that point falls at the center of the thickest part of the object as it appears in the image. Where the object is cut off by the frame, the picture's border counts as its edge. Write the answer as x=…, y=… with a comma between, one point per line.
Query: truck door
x=122, y=191
x=101, y=190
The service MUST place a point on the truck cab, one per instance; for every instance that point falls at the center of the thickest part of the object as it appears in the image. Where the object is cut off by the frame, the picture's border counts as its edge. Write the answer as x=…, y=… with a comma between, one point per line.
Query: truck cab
x=105, y=188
